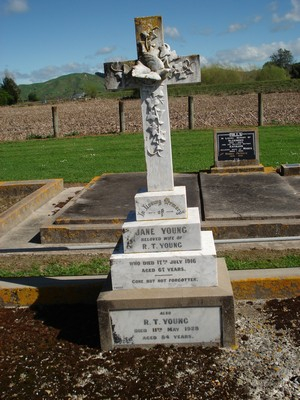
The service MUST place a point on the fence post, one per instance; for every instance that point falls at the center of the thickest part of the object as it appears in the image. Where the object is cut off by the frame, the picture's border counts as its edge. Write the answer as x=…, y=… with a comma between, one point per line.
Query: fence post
x=191, y=112
x=121, y=116
x=260, y=110
x=55, y=121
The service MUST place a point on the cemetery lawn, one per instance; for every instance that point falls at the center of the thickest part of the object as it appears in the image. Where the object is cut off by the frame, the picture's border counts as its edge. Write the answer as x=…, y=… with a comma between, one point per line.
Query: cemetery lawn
x=91, y=264
x=79, y=159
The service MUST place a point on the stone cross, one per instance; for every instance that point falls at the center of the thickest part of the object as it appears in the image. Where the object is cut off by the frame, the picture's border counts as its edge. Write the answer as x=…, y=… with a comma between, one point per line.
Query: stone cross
x=156, y=67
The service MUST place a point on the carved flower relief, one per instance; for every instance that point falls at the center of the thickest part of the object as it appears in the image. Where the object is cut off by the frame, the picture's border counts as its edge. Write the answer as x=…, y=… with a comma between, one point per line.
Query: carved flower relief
x=141, y=71
x=182, y=69
x=154, y=123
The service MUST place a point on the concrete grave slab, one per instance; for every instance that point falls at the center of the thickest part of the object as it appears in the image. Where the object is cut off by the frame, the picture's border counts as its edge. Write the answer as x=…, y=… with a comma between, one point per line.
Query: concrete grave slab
x=97, y=213
x=111, y=197
x=256, y=196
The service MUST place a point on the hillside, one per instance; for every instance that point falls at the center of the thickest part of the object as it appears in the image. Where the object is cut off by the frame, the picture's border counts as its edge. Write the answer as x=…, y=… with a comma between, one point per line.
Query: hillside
x=64, y=87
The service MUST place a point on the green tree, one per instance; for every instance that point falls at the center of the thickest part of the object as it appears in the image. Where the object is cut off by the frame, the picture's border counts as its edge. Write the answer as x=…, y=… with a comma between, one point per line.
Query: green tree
x=271, y=72
x=10, y=87
x=295, y=71
x=282, y=58
x=91, y=90
x=5, y=98
x=32, y=96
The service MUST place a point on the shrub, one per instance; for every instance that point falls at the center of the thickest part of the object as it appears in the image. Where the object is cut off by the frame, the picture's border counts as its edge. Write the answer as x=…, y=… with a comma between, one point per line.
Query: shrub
x=32, y=96
x=5, y=98
x=217, y=74
x=271, y=72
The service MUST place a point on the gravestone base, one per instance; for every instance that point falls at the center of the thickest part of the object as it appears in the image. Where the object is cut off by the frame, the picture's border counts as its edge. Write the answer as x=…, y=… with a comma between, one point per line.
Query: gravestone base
x=178, y=316
x=237, y=169
x=290, y=169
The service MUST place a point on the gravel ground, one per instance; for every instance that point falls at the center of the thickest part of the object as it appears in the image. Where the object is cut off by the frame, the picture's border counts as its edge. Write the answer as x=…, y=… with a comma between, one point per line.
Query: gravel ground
x=102, y=116
x=53, y=353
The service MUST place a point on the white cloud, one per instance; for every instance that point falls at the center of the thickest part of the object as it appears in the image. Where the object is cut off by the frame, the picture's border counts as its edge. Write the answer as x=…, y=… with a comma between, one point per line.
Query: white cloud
x=17, y=6
x=105, y=50
x=172, y=32
x=257, y=19
x=293, y=15
x=247, y=54
x=236, y=27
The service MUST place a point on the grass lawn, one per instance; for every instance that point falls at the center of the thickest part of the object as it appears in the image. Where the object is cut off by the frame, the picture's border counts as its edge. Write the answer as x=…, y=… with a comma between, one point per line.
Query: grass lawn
x=79, y=159
x=47, y=266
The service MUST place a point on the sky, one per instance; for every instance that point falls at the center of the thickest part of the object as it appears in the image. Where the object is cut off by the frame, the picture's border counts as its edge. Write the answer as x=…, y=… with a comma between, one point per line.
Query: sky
x=43, y=39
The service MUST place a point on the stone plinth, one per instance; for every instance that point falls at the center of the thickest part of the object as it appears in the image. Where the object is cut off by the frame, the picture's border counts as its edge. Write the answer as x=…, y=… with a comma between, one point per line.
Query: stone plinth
x=185, y=316
x=290, y=169
x=166, y=269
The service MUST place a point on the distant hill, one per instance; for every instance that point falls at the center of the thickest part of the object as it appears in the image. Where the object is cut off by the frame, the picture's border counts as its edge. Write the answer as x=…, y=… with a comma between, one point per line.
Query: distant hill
x=65, y=87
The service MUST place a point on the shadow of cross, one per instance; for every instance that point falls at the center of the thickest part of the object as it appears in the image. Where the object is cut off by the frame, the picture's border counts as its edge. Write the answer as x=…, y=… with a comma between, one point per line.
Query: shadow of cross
x=156, y=67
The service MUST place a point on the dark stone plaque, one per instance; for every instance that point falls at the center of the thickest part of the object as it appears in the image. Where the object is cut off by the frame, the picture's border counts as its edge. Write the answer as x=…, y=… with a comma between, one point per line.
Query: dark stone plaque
x=236, y=146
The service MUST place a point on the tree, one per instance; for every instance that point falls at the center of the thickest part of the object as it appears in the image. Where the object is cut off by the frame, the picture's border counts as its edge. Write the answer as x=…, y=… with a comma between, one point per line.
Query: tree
x=295, y=71
x=10, y=87
x=32, y=96
x=5, y=98
x=282, y=58
x=271, y=72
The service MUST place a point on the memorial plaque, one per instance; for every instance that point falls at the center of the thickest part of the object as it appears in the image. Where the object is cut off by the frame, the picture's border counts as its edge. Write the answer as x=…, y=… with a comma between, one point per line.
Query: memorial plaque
x=166, y=270
x=163, y=235
x=166, y=326
x=236, y=147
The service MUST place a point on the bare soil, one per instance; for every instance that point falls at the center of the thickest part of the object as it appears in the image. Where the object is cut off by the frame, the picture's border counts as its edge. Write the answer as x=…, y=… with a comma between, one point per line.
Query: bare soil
x=102, y=116
x=53, y=353
x=9, y=196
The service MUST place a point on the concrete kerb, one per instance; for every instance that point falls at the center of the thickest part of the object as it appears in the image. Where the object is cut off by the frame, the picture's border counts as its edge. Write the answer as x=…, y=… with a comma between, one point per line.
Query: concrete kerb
x=246, y=284
x=46, y=189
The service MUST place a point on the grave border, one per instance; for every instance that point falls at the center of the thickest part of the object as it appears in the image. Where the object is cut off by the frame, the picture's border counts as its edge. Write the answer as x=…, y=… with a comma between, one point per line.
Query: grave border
x=23, y=208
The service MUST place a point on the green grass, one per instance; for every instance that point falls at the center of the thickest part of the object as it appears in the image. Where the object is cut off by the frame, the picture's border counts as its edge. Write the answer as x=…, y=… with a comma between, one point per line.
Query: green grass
x=97, y=266
x=289, y=261
x=79, y=159
x=100, y=266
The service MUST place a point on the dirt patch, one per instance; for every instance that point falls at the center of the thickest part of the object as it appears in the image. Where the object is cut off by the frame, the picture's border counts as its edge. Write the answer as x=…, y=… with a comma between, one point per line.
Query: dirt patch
x=10, y=195
x=102, y=115
x=285, y=315
x=53, y=352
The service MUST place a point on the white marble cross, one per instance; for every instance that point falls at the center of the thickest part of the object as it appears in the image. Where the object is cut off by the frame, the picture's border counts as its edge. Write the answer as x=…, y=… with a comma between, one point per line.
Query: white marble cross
x=156, y=67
